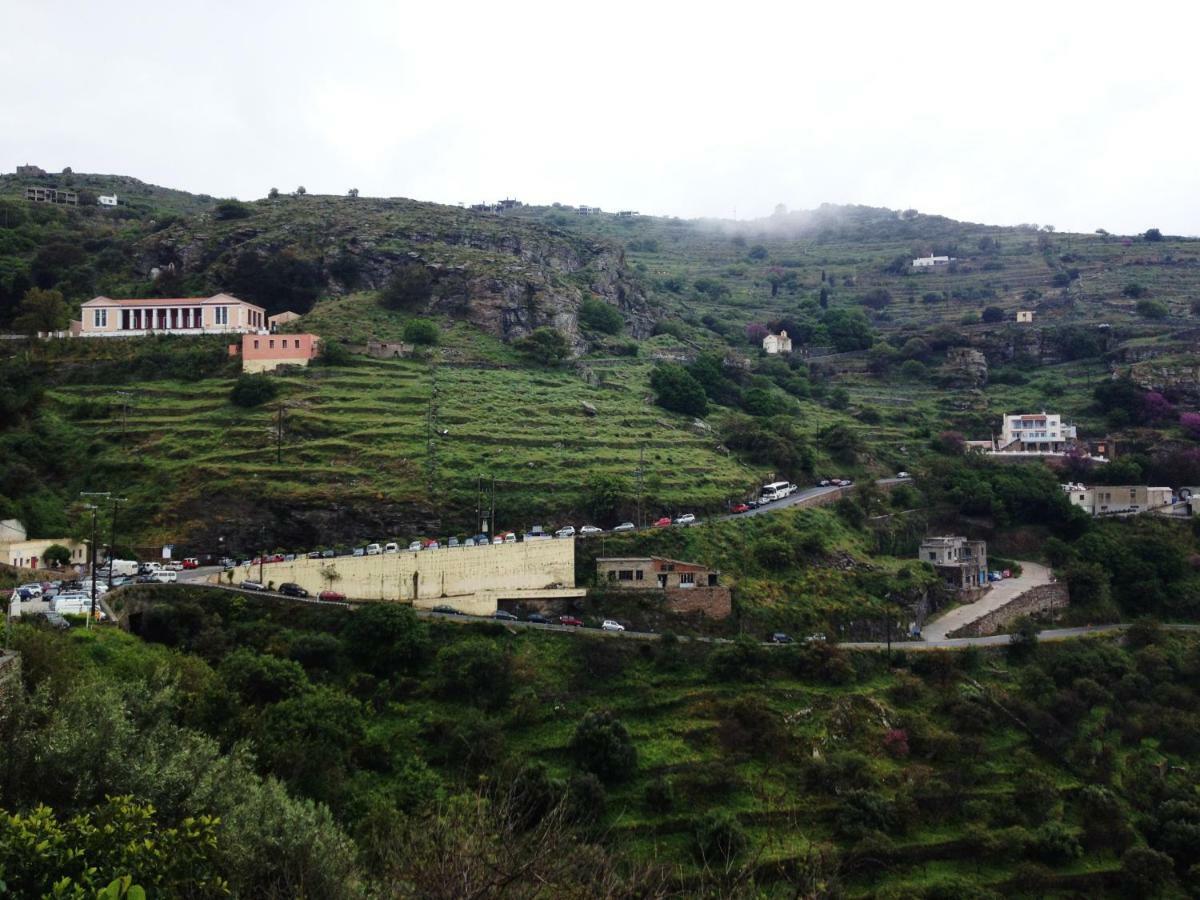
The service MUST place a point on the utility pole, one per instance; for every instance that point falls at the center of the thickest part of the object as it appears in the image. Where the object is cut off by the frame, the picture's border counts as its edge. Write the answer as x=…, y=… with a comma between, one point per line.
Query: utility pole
x=262, y=553
x=124, y=395
x=279, y=437
x=493, y=520
x=112, y=536
x=92, y=547
x=641, y=470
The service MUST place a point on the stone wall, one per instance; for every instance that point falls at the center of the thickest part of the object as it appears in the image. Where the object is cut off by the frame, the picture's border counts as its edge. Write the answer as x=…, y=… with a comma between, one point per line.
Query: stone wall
x=715, y=602
x=472, y=579
x=1042, y=598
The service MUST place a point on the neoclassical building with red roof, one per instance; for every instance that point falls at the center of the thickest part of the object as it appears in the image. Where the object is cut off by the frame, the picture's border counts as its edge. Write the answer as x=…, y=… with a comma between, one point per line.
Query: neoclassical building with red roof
x=219, y=314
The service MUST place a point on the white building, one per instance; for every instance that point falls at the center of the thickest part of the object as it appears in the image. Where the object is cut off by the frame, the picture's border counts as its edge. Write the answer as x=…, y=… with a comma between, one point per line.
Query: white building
x=1024, y=315
x=1118, y=499
x=777, y=343
x=927, y=262
x=1035, y=433
x=107, y=199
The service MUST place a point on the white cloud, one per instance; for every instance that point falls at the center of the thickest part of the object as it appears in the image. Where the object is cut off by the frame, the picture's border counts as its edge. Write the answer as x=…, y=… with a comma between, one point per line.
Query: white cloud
x=1070, y=113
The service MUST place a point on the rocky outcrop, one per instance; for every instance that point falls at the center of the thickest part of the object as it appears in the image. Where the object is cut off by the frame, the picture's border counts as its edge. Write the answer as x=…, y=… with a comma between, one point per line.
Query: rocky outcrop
x=1175, y=377
x=505, y=276
x=965, y=368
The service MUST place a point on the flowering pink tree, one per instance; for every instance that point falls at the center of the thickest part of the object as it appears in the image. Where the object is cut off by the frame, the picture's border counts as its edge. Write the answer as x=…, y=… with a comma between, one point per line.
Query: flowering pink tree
x=1156, y=407
x=895, y=742
x=1190, y=423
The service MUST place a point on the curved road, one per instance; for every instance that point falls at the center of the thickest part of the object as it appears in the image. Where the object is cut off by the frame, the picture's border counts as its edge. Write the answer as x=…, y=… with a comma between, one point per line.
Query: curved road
x=999, y=593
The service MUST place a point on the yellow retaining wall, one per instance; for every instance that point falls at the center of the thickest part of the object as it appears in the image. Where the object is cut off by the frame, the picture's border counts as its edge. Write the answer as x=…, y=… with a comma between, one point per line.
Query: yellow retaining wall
x=468, y=578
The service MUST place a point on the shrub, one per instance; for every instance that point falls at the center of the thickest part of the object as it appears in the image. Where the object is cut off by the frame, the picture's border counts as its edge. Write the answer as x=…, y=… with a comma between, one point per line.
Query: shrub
x=992, y=315
x=475, y=670
x=1152, y=309
x=1153, y=235
x=56, y=555
x=546, y=346
x=660, y=796
x=410, y=287
x=334, y=353
x=1145, y=872
x=600, y=316
x=720, y=839
x=231, y=209
x=252, y=390
x=602, y=745
x=421, y=331
x=675, y=389
x=671, y=327
x=385, y=638
x=1134, y=291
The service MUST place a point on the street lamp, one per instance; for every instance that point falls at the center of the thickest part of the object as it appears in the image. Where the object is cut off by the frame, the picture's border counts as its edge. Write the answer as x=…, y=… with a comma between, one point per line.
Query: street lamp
x=93, y=507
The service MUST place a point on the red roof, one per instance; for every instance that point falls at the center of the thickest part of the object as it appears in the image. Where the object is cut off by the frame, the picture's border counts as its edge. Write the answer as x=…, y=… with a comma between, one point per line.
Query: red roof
x=172, y=301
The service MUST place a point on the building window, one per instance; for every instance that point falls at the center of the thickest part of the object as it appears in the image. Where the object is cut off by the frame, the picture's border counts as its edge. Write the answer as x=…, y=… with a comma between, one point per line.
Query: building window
x=256, y=345
x=100, y=318
x=637, y=576
x=687, y=578
x=272, y=345
x=612, y=575
x=222, y=315
x=625, y=575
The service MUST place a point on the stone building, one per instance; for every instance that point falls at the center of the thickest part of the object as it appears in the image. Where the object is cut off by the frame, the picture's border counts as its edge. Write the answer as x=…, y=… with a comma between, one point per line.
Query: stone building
x=51, y=195
x=777, y=343
x=962, y=563
x=687, y=587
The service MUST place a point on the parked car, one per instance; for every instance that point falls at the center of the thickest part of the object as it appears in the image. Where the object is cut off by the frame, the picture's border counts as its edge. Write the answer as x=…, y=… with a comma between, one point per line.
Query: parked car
x=191, y=563
x=248, y=585
x=610, y=625
x=314, y=554
x=452, y=542
x=780, y=638
x=824, y=482
x=903, y=475
x=740, y=508
x=626, y=526
x=166, y=576
x=291, y=589
x=287, y=557
x=391, y=547
x=53, y=619
x=537, y=619
x=504, y=616
x=146, y=579
x=993, y=576
x=1006, y=573
x=430, y=545
x=332, y=596
x=565, y=532
x=374, y=550
x=446, y=610
x=34, y=589
x=570, y=620
x=358, y=551
x=685, y=519
x=663, y=522
x=591, y=529
x=328, y=554
x=174, y=566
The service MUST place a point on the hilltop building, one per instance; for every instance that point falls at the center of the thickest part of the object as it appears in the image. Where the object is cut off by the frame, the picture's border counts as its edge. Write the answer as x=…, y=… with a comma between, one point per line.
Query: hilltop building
x=264, y=352
x=51, y=195
x=961, y=563
x=29, y=171
x=777, y=343
x=18, y=549
x=1025, y=315
x=1035, y=432
x=219, y=314
x=107, y=200
x=687, y=587
x=931, y=261
x=1115, y=500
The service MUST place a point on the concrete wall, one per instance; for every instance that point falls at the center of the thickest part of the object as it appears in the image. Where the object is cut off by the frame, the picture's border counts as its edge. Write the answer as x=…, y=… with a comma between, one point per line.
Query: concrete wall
x=1042, y=598
x=471, y=579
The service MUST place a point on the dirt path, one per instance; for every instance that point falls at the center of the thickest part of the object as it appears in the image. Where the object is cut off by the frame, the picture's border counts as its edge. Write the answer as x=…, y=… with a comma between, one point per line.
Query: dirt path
x=1032, y=575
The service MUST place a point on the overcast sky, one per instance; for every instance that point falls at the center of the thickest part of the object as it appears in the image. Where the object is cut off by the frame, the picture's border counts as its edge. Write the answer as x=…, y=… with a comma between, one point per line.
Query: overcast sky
x=1078, y=115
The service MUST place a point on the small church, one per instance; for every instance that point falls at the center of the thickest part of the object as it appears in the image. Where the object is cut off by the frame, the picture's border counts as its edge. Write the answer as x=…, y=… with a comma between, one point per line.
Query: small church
x=777, y=343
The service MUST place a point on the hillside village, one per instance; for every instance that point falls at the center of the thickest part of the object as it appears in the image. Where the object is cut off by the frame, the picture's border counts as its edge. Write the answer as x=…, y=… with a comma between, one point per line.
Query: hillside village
x=838, y=435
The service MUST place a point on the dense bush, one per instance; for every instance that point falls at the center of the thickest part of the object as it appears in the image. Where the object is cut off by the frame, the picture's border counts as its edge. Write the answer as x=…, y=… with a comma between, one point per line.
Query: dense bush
x=545, y=346
x=720, y=839
x=421, y=331
x=600, y=316
x=474, y=671
x=602, y=745
x=253, y=390
x=675, y=389
x=409, y=288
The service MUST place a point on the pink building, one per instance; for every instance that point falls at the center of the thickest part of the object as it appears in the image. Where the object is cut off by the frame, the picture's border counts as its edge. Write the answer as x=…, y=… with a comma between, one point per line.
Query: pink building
x=219, y=314
x=263, y=352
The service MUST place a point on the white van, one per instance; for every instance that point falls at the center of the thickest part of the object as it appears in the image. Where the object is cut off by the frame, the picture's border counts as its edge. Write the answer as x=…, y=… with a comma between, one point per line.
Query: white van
x=124, y=568
x=374, y=550
x=391, y=547
x=166, y=576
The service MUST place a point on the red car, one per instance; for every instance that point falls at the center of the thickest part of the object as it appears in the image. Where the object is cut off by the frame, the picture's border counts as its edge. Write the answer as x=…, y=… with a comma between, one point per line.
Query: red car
x=191, y=563
x=278, y=557
x=331, y=596
x=570, y=620
x=663, y=522
x=740, y=508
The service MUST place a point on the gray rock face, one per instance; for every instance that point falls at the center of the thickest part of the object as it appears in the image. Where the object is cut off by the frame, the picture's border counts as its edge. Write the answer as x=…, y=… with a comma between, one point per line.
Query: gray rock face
x=966, y=367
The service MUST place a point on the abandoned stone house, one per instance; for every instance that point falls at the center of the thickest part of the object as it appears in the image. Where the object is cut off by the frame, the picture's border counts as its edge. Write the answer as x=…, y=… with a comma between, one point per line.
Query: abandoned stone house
x=961, y=563
x=687, y=587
